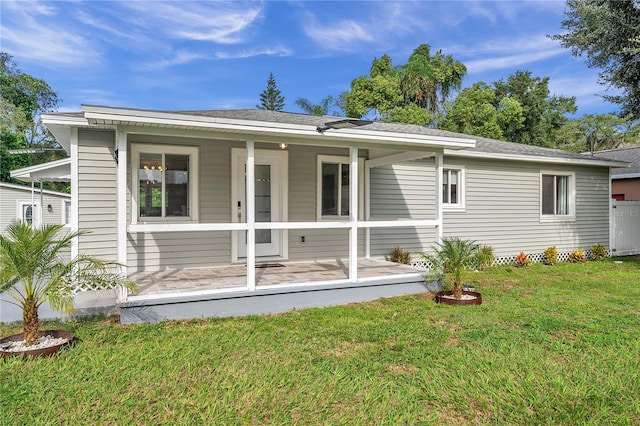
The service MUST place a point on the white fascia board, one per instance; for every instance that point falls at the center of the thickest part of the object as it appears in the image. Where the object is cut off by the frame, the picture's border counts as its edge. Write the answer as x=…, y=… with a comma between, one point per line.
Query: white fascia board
x=28, y=189
x=131, y=117
x=59, y=170
x=626, y=176
x=536, y=159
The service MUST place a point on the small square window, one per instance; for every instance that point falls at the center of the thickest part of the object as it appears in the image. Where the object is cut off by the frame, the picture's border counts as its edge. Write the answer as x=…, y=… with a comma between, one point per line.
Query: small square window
x=557, y=195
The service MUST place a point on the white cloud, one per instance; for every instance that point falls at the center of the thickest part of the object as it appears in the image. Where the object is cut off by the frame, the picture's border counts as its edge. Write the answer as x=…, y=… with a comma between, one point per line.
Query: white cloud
x=249, y=53
x=210, y=21
x=179, y=58
x=336, y=36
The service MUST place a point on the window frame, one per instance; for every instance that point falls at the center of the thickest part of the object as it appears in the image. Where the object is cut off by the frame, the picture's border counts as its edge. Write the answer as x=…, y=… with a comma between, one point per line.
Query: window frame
x=338, y=159
x=460, y=204
x=193, y=188
x=36, y=220
x=571, y=194
x=66, y=218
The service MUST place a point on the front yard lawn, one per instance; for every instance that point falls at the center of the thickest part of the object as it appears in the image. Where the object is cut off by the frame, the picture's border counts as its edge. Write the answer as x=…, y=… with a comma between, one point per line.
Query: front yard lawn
x=550, y=345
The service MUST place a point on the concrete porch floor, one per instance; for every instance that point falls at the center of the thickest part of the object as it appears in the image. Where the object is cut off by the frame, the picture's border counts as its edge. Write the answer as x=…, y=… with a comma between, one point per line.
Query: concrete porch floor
x=234, y=276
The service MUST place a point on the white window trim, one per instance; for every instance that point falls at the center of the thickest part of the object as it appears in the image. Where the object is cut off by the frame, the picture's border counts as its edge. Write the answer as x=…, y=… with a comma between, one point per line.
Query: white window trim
x=35, y=212
x=343, y=160
x=193, y=152
x=460, y=205
x=66, y=220
x=572, y=197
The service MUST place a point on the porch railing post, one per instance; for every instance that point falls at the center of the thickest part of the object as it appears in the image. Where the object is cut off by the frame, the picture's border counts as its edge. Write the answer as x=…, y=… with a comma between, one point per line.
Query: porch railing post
x=251, y=217
x=353, y=215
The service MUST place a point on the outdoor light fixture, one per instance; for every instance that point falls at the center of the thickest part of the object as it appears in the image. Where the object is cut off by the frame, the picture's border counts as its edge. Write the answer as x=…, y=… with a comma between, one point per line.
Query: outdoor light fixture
x=343, y=124
x=50, y=208
x=282, y=145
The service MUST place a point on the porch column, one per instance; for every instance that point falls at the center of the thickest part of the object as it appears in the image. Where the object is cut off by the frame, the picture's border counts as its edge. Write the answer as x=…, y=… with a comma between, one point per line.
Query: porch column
x=251, y=217
x=121, y=194
x=367, y=210
x=74, y=219
x=439, y=173
x=353, y=215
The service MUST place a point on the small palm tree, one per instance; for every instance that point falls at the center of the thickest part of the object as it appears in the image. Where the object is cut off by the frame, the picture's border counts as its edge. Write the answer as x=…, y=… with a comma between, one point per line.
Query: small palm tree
x=454, y=258
x=33, y=270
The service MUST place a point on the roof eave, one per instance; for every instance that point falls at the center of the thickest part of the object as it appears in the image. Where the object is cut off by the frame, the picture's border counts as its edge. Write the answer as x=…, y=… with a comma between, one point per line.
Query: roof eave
x=536, y=159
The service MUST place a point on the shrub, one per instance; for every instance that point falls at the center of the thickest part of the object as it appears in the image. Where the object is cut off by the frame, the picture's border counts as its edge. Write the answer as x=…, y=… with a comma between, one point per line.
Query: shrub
x=577, y=256
x=521, y=260
x=454, y=257
x=598, y=252
x=400, y=255
x=550, y=256
x=484, y=258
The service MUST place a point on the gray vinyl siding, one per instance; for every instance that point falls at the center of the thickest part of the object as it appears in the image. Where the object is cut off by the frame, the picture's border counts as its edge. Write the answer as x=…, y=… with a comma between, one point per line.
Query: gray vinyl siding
x=319, y=243
x=406, y=191
x=97, y=211
x=169, y=250
x=503, y=208
x=11, y=197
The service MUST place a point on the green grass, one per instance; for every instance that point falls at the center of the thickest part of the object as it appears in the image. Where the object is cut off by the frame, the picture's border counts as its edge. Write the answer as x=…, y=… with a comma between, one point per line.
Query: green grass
x=550, y=345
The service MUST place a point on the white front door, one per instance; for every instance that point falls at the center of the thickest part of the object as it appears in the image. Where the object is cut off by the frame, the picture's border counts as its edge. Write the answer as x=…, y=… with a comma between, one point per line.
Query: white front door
x=270, y=177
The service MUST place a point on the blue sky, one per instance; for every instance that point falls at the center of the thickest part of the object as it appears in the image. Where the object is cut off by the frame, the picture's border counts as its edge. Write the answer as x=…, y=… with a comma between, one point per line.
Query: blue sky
x=217, y=55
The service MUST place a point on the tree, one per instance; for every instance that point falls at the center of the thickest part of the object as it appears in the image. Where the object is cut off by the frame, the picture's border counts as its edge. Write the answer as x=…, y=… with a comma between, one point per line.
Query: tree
x=475, y=111
x=33, y=270
x=316, y=109
x=595, y=132
x=24, y=99
x=608, y=33
x=270, y=98
x=427, y=81
x=543, y=114
x=412, y=93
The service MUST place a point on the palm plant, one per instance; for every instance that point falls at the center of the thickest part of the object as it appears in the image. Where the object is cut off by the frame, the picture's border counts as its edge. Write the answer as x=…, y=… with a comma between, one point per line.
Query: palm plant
x=454, y=257
x=33, y=270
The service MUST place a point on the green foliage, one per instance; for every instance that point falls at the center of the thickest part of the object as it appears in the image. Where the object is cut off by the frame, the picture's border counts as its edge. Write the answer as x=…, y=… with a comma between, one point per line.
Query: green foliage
x=400, y=255
x=33, y=268
x=550, y=256
x=577, y=256
x=322, y=108
x=543, y=114
x=412, y=93
x=485, y=257
x=594, y=132
x=521, y=260
x=607, y=32
x=453, y=257
x=270, y=98
x=476, y=111
x=598, y=252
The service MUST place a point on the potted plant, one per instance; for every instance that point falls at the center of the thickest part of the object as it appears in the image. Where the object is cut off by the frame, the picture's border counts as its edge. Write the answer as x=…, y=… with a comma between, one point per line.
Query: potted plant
x=453, y=258
x=33, y=270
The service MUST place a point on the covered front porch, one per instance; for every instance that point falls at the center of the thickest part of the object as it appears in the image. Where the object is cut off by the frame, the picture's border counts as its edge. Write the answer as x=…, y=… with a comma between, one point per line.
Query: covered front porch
x=279, y=287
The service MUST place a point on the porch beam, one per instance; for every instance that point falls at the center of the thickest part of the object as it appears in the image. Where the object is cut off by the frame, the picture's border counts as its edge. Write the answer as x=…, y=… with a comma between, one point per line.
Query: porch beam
x=396, y=158
x=74, y=219
x=250, y=213
x=121, y=204
x=353, y=215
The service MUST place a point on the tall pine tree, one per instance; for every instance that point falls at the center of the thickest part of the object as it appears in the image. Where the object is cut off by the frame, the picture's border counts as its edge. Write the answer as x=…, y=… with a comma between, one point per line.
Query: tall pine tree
x=270, y=98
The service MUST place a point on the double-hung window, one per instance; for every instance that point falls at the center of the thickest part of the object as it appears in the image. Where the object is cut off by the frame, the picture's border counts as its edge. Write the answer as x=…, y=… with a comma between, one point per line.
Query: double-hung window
x=557, y=195
x=165, y=183
x=452, y=188
x=334, y=186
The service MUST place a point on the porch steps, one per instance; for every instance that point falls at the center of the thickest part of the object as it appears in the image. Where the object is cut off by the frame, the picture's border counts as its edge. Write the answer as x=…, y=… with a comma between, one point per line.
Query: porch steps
x=270, y=300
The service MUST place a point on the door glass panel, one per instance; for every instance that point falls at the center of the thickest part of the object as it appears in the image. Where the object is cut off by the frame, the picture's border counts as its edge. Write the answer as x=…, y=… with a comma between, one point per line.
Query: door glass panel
x=27, y=213
x=150, y=178
x=263, y=201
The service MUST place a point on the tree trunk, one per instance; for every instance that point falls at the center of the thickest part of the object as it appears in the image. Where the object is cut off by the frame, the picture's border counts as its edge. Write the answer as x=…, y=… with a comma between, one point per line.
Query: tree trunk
x=457, y=291
x=30, y=323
